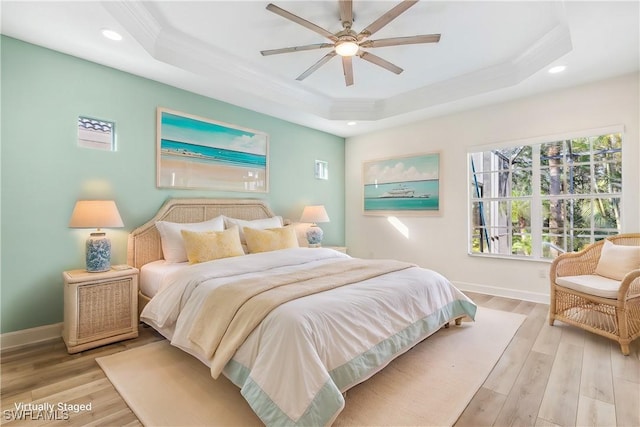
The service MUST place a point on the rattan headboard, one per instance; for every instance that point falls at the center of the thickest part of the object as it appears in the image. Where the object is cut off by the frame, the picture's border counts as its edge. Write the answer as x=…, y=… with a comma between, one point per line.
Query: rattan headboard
x=144, y=242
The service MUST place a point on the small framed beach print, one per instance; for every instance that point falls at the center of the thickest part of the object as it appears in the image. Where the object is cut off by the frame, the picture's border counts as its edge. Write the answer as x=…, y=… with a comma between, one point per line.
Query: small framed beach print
x=198, y=153
x=96, y=133
x=407, y=185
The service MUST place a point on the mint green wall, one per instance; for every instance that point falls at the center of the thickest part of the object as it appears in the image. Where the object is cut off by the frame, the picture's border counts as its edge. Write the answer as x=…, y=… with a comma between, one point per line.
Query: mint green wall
x=44, y=172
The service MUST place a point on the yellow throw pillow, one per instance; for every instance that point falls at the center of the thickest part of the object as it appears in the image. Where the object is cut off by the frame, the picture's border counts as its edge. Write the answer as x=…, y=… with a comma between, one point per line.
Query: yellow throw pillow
x=210, y=245
x=616, y=261
x=172, y=242
x=270, y=239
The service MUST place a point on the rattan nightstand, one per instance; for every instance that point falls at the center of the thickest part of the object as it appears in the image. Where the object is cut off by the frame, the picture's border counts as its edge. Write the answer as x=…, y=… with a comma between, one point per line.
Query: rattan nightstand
x=99, y=308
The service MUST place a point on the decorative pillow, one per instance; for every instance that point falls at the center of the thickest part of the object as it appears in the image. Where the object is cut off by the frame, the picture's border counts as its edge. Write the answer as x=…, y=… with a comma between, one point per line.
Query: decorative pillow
x=209, y=245
x=270, y=239
x=617, y=260
x=172, y=244
x=259, y=224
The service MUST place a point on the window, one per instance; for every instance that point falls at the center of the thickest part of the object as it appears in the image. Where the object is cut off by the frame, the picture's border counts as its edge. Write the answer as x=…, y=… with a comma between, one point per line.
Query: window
x=538, y=200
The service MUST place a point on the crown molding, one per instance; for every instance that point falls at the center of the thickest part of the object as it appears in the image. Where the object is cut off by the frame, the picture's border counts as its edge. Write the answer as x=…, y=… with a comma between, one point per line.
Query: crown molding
x=171, y=46
x=137, y=20
x=547, y=49
x=219, y=67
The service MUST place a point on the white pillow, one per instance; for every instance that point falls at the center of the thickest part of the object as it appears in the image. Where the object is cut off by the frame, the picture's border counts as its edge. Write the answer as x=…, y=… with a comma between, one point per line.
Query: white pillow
x=617, y=260
x=173, y=247
x=258, y=224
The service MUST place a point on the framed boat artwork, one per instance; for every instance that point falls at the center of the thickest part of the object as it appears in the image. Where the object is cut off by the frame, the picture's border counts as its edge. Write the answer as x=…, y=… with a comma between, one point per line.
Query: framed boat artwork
x=198, y=153
x=407, y=185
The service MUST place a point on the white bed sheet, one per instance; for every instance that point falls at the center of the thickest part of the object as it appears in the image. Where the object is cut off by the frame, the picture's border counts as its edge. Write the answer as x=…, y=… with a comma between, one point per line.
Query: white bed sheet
x=294, y=366
x=153, y=273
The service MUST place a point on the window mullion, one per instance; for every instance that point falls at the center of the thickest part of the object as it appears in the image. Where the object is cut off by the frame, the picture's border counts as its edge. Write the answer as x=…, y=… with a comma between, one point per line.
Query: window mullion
x=536, y=204
x=594, y=194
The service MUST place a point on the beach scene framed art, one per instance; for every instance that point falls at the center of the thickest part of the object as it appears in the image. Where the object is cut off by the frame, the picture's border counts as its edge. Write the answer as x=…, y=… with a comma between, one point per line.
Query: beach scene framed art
x=408, y=185
x=198, y=153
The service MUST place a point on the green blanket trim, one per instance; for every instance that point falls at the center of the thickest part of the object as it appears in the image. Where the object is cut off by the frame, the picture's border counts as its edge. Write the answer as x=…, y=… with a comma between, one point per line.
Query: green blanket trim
x=363, y=366
x=329, y=401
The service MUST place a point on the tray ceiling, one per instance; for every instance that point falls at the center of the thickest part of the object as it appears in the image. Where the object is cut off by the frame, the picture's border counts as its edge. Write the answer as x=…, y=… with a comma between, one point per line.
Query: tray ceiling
x=489, y=52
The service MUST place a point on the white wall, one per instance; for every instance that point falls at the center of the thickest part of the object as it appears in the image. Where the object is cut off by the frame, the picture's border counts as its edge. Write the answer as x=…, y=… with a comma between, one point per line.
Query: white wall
x=440, y=243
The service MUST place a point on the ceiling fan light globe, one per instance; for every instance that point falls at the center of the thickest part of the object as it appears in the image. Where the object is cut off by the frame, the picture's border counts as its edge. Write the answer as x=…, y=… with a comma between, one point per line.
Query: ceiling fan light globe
x=347, y=48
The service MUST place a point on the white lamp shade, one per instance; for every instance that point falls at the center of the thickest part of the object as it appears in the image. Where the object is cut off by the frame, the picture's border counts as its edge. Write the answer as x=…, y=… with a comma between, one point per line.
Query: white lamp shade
x=314, y=214
x=95, y=214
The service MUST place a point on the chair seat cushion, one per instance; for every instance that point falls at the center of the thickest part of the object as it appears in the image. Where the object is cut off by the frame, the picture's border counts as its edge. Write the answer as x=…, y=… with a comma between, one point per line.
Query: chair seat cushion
x=591, y=284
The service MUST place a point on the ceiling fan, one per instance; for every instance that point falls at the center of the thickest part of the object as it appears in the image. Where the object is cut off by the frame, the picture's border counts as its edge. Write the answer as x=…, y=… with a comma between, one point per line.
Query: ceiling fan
x=347, y=43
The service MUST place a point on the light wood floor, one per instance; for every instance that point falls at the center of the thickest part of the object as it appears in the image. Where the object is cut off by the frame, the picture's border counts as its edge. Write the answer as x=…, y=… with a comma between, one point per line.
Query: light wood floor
x=547, y=376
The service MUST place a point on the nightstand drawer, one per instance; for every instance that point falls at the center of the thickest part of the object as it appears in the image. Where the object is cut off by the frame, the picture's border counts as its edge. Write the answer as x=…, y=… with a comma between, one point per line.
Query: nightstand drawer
x=99, y=308
x=104, y=309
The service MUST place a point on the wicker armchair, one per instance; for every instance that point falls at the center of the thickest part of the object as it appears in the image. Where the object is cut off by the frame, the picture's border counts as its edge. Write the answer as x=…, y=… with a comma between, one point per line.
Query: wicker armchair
x=617, y=318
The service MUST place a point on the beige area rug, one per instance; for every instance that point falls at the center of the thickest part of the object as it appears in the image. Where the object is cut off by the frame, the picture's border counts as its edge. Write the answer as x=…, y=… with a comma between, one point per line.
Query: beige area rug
x=430, y=385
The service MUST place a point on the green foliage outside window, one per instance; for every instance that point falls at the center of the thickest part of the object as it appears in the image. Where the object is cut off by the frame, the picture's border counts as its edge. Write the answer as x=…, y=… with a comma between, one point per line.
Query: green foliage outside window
x=578, y=196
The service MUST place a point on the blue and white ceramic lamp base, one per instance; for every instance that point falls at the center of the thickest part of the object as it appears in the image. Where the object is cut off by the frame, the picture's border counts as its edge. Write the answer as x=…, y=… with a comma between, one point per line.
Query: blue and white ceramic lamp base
x=314, y=236
x=98, y=253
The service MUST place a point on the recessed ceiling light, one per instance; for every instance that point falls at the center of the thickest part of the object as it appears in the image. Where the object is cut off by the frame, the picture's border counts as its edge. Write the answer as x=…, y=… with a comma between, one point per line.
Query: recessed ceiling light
x=557, y=69
x=352, y=123
x=111, y=35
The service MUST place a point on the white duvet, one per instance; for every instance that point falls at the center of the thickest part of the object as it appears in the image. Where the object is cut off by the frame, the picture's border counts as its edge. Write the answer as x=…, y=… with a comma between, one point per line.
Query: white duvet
x=295, y=365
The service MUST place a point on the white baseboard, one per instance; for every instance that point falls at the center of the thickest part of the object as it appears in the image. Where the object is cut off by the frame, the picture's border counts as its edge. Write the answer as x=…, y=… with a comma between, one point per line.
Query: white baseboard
x=25, y=337
x=503, y=292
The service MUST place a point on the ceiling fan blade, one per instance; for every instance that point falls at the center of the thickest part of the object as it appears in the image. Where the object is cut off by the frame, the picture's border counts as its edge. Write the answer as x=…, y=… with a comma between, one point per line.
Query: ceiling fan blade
x=347, y=66
x=386, y=18
x=301, y=21
x=380, y=62
x=346, y=12
x=397, y=41
x=317, y=65
x=295, y=49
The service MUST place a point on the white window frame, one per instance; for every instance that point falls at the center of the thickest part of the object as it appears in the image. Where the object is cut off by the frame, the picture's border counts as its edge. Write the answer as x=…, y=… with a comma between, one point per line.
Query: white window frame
x=536, y=196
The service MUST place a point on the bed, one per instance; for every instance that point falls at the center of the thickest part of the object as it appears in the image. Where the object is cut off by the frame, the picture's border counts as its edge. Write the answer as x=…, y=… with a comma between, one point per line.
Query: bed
x=293, y=328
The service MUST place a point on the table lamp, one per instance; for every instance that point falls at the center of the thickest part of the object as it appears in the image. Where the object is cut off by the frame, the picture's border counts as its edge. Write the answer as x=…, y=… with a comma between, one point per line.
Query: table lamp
x=314, y=214
x=96, y=214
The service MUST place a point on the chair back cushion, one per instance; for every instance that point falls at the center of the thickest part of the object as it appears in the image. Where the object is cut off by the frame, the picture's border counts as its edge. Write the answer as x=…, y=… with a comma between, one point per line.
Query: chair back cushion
x=616, y=261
